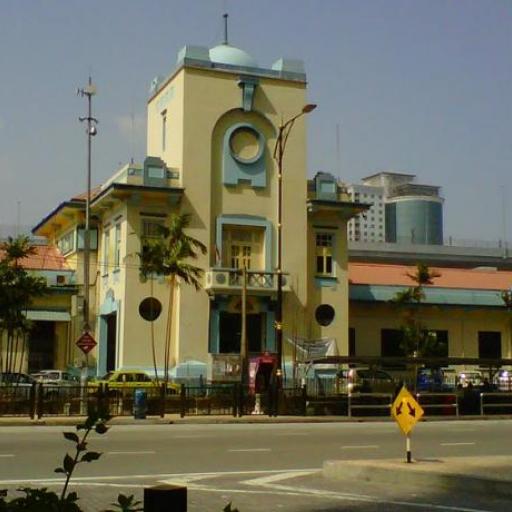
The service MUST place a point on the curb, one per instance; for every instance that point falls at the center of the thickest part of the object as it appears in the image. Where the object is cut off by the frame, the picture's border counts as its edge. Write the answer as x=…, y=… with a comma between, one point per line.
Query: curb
x=228, y=420
x=423, y=474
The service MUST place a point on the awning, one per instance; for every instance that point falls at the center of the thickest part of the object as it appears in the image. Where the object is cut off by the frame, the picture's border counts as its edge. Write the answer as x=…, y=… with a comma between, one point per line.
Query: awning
x=44, y=315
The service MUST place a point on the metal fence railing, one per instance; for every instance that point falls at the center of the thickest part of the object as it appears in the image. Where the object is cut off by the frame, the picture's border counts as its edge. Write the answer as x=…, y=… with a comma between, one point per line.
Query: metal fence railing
x=495, y=403
x=377, y=404
x=233, y=399
x=17, y=401
x=437, y=404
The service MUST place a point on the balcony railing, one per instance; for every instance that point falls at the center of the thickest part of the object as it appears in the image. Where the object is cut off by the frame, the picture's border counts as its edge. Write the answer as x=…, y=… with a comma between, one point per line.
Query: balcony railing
x=229, y=279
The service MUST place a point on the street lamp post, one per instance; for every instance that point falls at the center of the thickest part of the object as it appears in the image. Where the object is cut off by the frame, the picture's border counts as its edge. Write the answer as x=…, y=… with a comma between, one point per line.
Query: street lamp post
x=279, y=149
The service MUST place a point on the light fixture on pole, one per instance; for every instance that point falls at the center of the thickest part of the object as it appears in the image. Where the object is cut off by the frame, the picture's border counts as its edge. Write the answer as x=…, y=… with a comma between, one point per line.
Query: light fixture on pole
x=89, y=91
x=279, y=149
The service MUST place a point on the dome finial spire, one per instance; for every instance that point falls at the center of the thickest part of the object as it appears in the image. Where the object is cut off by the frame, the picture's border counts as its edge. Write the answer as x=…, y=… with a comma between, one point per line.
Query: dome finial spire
x=225, y=16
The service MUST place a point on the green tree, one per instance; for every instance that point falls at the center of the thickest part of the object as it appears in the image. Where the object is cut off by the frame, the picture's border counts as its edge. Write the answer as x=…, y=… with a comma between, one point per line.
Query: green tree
x=170, y=255
x=417, y=340
x=18, y=288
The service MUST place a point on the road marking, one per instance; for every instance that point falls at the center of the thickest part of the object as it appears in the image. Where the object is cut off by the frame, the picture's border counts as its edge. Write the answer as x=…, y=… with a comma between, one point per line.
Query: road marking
x=360, y=447
x=250, y=450
x=369, y=499
x=154, y=476
x=197, y=436
x=263, y=480
x=270, y=488
x=289, y=434
x=6, y=455
x=148, y=452
x=457, y=444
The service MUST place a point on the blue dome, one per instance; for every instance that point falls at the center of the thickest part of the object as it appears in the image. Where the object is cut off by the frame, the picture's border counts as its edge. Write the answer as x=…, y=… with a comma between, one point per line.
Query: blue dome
x=226, y=54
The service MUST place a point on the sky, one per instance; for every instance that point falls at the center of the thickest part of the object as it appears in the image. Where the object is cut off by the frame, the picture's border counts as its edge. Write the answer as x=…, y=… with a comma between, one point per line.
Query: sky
x=423, y=87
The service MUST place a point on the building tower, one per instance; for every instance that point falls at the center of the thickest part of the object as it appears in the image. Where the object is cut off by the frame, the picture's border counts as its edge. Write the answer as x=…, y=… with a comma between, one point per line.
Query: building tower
x=402, y=210
x=214, y=121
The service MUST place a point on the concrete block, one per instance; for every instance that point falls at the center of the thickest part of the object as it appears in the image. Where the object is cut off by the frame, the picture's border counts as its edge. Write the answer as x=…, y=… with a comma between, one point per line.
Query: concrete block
x=165, y=498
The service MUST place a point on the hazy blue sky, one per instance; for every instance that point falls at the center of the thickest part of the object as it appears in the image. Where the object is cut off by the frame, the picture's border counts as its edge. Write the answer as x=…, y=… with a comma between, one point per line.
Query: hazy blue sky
x=420, y=86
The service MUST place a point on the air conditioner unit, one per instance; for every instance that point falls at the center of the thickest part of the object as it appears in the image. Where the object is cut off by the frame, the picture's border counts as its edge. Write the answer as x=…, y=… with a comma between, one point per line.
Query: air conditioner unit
x=217, y=279
x=221, y=279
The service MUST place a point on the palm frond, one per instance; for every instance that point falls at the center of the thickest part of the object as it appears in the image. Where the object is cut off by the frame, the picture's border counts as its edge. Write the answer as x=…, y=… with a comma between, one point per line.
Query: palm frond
x=168, y=254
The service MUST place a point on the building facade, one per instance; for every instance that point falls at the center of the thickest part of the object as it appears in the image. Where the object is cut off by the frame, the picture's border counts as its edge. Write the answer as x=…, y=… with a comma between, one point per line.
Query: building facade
x=213, y=125
x=371, y=226
x=49, y=343
x=463, y=307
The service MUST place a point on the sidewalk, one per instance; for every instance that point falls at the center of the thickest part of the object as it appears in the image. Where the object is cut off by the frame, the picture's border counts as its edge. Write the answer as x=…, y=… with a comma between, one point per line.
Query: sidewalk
x=175, y=419
x=489, y=475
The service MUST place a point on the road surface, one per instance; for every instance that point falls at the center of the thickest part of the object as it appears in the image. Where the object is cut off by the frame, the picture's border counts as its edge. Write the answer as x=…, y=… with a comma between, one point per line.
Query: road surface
x=258, y=467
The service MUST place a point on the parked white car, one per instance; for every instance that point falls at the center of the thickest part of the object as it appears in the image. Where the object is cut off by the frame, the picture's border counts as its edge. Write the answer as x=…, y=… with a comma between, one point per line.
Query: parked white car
x=55, y=378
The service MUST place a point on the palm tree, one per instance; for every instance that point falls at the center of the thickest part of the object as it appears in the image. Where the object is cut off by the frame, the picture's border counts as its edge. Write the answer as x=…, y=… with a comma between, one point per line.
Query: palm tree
x=416, y=340
x=170, y=255
x=150, y=257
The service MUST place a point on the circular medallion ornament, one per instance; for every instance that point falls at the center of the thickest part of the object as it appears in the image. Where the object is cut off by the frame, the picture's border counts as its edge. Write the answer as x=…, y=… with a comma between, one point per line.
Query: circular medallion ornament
x=246, y=144
x=150, y=309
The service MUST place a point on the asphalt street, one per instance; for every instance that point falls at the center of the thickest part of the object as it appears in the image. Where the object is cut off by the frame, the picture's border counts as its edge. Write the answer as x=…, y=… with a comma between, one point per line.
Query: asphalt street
x=276, y=463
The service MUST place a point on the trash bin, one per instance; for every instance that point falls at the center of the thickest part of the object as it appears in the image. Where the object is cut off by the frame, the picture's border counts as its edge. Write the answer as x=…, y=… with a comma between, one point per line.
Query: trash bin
x=140, y=404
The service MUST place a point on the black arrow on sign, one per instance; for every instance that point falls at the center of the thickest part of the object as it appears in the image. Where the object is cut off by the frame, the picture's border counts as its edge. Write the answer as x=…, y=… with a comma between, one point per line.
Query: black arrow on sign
x=399, y=408
x=412, y=410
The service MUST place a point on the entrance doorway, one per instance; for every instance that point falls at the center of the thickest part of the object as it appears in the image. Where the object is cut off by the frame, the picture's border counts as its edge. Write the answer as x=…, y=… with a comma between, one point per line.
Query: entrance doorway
x=111, y=341
x=230, y=332
x=41, y=346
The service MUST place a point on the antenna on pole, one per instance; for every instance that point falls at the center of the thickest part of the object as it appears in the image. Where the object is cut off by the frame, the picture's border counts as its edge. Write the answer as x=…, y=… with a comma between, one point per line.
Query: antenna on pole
x=504, y=220
x=132, y=138
x=18, y=218
x=225, y=16
x=338, y=151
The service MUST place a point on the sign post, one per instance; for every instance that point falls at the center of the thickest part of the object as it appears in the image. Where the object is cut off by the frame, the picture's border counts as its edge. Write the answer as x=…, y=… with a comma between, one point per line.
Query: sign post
x=85, y=343
x=407, y=412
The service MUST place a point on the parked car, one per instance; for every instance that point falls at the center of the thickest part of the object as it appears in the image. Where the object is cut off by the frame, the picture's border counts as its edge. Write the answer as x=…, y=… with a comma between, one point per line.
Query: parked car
x=16, y=379
x=432, y=380
x=130, y=379
x=470, y=377
x=15, y=386
x=503, y=380
x=364, y=380
x=55, y=378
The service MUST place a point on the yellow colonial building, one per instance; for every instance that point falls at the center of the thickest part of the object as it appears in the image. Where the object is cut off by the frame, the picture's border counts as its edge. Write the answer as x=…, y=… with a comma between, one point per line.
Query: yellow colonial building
x=213, y=125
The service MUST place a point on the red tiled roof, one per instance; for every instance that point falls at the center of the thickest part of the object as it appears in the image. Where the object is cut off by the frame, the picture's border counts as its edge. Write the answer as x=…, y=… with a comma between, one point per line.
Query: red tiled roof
x=46, y=257
x=83, y=196
x=396, y=275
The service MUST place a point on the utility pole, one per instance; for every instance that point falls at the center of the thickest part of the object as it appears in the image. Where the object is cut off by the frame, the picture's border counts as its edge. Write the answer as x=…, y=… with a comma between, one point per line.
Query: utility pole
x=243, y=334
x=88, y=91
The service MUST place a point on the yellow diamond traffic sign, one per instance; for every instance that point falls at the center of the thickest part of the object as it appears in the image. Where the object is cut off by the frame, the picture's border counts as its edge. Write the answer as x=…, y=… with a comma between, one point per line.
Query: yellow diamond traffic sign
x=406, y=411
